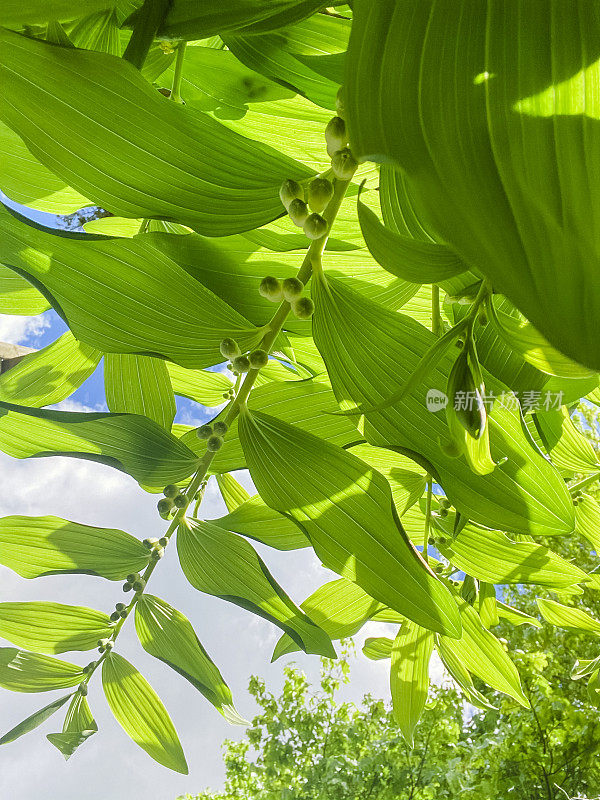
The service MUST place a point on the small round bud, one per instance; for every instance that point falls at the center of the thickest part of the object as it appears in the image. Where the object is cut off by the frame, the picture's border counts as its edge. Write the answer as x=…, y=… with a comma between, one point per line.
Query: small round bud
x=303, y=308
x=343, y=164
x=443, y=512
x=139, y=585
x=102, y=643
x=88, y=667
x=220, y=428
x=292, y=288
x=82, y=689
x=214, y=443
x=170, y=491
x=336, y=135
x=340, y=104
x=164, y=505
x=204, y=431
x=158, y=552
x=225, y=395
x=180, y=501
x=270, y=288
x=149, y=543
x=109, y=646
x=258, y=359
x=320, y=192
x=124, y=613
x=229, y=348
x=290, y=190
x=115, y=616
x=315, y=226
x=431, y=540
x=133, y=576
x=120, y=606
x=127, y=587
x=241, y=364
x=298, y=212
x=163, y=541
x=575, y=502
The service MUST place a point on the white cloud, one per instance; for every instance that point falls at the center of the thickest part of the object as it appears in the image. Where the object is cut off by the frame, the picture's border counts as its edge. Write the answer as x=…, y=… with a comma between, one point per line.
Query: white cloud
x=22, y=330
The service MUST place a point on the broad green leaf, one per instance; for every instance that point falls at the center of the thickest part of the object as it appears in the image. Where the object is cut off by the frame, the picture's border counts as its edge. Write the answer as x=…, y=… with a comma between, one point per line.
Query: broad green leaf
x=38, y=546
x=206, y=388
x=255, y=519
x=340, y=607
x=139, y=385
x=233, y=493
x=16, y=14
x=370, y=352
x=51, y=374
x=140, y=712
x=483, y=655
x=99, y=31
x=378, y=648
x=223, y=564
x=587, y=513
x=53, y=627
x=460, y=675
x=584, y=667
x=406, y=478
x=141, y=155
x=491, y=556
x=498, y=140
x=345, y=508
x=567, y=616
x=516, y=617
x=21, y=671
x=18, y=296
x=569, y=449
x=409, y=676
x=128, y=442
x=113, y=293
x=78, y=726
x=32, y=722
x=488, y=605
x=168, y=635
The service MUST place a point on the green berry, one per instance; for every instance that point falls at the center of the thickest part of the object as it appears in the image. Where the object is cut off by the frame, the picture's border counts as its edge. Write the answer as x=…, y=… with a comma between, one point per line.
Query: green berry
x=88, y=667
x=336, y=135
x=180, y=501
x=258, y=359
x=204, y=431
x=139, y=585
x=290, y=190
x=214, y=443
x=163, y=541
x=149, y=543
x=320, y=192
x=270, y=288
x=133, y=576
x=164, y=505
x=229, y=348
x=158, y=552
x=315, y=226
x=220, y=428
x=124, y=613
x=292, y=288
x=120, y=606
x=102, y=643
x=340, y=104
x=298, y=212
x=115, y=616
x=343, y=164
x=303, y=307
x=82, y=689
x=241, y=364
x=431, y=540
x=127, y=587
x=170, y=491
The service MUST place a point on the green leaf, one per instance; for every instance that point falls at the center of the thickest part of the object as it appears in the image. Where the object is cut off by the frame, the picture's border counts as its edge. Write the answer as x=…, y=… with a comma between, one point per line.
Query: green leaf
x=16, y=14
x=409, y=676
x=483, y=655
x=206, y=388
x=488, y=605
x=32, y=722
x=21, y=671
x=53, y=627
x=345, y=508
x=569, y=449
x=515, y=616
x=223, y=564
x=168, y=635
x=108, y=154
x=256, y=520
x=378, y=648
x=567, y=617
x=232, y=492
x=461, y=675
x=18, y=296
x=139, y=385
x=587, y=513
x=38, y=546
x=99, y=31
x=340, y=607
x=128, y=442
x=140, y=712
x=79, y=725
x=51, y=374
x=112, y=293
x=406, y=478
x=370, y=352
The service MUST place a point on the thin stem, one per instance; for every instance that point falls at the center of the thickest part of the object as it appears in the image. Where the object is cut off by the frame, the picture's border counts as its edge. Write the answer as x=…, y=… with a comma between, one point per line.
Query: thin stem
x=583, y=484
x=436, y=317
x=148, y=20
x=427, y=518
x=178, y=73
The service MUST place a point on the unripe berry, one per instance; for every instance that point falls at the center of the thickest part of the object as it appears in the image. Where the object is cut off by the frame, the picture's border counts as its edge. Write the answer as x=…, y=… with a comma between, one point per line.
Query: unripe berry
x=292, y=288
x=127, y=587
x=229, y=348
x=343, y=164
x=340, y=104
x=431, y=540
x=180, y=501
x=290, y=190
x=336, y=135
x=315, y=226
x=204, y=431
x=149, y=543
x=241, y=364
x=258, y=359
x=298, y=212
x=82, y=689
x=120, y=606
x=303, y=307
x=102, y=643
x=124, y=613
x=220, y=428
x=320, y=192
x=164, y=505
x=158, y=552
x=171, y=490
x=163, y=541
x=133, y=576
x=88, y=667
x=270, y=288
x=115, y=616
x=214, y=443
x=139, y=585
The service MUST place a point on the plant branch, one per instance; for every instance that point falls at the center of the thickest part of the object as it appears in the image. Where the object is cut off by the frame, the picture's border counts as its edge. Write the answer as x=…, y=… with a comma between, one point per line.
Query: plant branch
x=178, y=73
x=148, y=20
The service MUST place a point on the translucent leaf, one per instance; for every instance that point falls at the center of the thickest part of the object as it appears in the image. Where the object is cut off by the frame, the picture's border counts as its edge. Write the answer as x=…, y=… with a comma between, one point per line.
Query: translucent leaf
x=34, y=721
x=53, y=627
x=21, y=671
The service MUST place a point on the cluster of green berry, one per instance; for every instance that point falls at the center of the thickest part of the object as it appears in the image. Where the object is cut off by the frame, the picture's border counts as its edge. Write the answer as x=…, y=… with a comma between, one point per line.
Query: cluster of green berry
x=578, y=497
x=320, y=192
x=213, y=434
x=290, y=290
x=104, y=645
x=242, y=362
x=173, y=498
x=343, y=163
x=156, y=546
x=120, y=612
x=134, y=581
